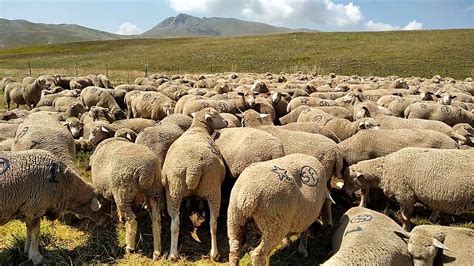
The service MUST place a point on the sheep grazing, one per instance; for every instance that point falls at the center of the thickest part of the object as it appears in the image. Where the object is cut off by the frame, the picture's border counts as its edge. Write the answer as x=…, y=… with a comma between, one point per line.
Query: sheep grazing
x=127, y=173
x=370, y=144
x=46, y=188
x=283, y=196
x=95, y=96
x=436, y=245
x=366, y=237
x=194, y=167
x=440, y=179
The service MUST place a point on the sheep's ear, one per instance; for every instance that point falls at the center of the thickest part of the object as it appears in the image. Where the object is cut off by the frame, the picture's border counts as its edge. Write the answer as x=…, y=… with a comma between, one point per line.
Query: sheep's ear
x=328, y=196
x=240, y=115
x=95, y=204
x=440, y=245
x=207, y=116
x=362, y=125
x=105, y=130
x=402, y=234
x=193, y=114
x=437, y=96
x=240, y=93
x=453, y=96
x=129, y=137
x=264, y=115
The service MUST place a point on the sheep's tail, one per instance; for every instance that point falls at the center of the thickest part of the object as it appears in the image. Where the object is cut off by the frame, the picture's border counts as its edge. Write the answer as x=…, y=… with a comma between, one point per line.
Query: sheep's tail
x=145, y=181
x=193, y=176
x=407, y=111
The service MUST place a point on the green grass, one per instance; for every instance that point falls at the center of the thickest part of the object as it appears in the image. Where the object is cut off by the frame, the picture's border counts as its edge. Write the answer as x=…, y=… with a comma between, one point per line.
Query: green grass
x=407, y=53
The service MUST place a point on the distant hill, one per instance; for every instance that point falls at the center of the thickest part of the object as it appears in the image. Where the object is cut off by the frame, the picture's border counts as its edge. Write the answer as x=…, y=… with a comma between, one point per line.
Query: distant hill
x=21, y=33
x=188, y=26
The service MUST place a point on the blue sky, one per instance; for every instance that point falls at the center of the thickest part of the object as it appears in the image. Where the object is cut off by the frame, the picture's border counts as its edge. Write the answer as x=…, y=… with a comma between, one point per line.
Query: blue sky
x=127, y=16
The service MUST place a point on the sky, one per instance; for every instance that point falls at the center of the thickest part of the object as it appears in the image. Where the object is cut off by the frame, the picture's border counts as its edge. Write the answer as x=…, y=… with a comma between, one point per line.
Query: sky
x=136, y=16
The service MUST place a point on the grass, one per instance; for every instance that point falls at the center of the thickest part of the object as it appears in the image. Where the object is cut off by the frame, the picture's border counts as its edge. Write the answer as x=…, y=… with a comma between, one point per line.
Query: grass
x=407, y=53
x=72, y=241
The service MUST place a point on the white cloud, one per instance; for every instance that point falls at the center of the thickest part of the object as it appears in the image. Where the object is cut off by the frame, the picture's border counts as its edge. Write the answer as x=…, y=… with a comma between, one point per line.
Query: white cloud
x=377, y=26
x=128, y=28
x=277, y=12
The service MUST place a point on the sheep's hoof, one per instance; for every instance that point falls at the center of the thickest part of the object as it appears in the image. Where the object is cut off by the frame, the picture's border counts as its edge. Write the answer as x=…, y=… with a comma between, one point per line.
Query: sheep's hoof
x=173, y=257
x=215, y=257
x=156, y=255
x=37, y=259
x=303, y=253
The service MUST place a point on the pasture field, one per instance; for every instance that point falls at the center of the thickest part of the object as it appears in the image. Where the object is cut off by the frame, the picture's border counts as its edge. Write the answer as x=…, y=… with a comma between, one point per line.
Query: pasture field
x=405, y=53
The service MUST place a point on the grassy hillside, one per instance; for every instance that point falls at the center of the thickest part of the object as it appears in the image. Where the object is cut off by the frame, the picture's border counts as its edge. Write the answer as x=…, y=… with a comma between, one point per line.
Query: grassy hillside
x=21, y=33
x=407, y=53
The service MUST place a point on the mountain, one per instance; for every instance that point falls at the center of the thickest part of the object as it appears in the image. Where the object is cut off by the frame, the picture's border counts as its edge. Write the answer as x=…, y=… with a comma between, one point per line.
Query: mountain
x=186, y=26
x=21, y=33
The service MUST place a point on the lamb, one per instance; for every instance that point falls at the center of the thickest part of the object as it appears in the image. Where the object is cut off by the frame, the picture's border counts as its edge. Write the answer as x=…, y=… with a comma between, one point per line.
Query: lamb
x=31, y=191
x=451, y=115
x=370, y=144
x=194, y=166
x=62, y=82
x=25, y=94
x=126, y=173
x=368, y=237
x=94, y=96
x=425, y=242
x=283, y=196
x=440, y=179
x=43, y=131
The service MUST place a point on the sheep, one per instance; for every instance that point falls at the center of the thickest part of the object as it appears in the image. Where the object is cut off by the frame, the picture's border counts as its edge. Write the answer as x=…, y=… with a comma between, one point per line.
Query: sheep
x=366, y=237
x=370, y=144
x=398, y=106
x=25, y=94
x=232, y=120
x=126, y=133
x=94, y=96
x=152, y=105
x=441, y=179
x=283, y=196
x=104, y=81
x=97, y=114
x=194, y=166
x=4, y=82
x=80, y=83
x=308, y=101
x=104, y=131
x=292, y=116
x=127, y=173
x=62, y=82
x=425, y=242
x=46, y=187
x=48, y=99
x=241, y=147
x=466, y=131
x=451, y=115
x=43, y=131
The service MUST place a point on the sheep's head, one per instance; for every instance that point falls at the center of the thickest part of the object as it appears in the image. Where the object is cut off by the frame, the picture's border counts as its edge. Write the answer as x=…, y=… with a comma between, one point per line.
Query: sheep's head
x=275, y=97
x=444, y=98
x=259, y=86
x=126, y=133
x=426, y=95
x=211, y=118
x=367, y=123
x=252, y=118
x=168, y=107
x=43, y=83
x=75, y=109
x=75, y=85
x=100, y=133
x=365, y=174
x=74, y=126
x=423, y=245
x=249, y=99
x=354, y=96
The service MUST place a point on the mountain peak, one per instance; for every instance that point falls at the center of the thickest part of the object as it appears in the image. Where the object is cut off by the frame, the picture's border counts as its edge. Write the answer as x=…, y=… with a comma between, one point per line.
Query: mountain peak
x=184, y=25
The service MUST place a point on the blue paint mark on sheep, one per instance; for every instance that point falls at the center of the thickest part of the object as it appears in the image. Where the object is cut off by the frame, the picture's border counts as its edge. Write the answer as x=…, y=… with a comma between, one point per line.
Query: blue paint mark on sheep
x=4, y=165
x=282, y=173
x=357, y=229
x=362, y=218
x=309, y=176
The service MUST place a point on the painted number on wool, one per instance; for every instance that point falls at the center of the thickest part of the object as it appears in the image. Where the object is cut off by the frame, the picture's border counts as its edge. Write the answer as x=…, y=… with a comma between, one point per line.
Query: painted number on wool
x=21, y=134
x=309, y=176
x=223, y=107
x=445, y=109
x=357, y=229
x=282, y=173
x=362, y=218
x=4, y=165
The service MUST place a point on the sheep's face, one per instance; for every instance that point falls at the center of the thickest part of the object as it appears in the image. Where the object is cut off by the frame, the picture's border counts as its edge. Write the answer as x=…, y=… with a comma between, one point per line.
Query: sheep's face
x=426, y=96
x=98, y=112
x=276, y=97
x=250, y=100
x=43, y=83
x=368, y=123
x=99, y=134
x=423, y=246
x=168, y=107
x=445, y=98
x=75, y=127
x=215, y=119
x=92, y=206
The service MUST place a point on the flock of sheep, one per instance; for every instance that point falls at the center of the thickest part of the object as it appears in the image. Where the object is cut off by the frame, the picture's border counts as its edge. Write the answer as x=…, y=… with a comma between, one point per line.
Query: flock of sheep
x=284, y=141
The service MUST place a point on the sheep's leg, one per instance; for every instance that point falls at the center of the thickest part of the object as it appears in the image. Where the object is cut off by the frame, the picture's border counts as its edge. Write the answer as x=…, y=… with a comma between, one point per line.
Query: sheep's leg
x=27, y=240
x=364, y=197
x=125, y=210
x=303, y=243
x=156, y=227
x=267, y=244
x=327, y=212
x=173, y=256
x=406, y=210
x=33, y=227
x=235, y=231
x=434, y=215
x=214, y=205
